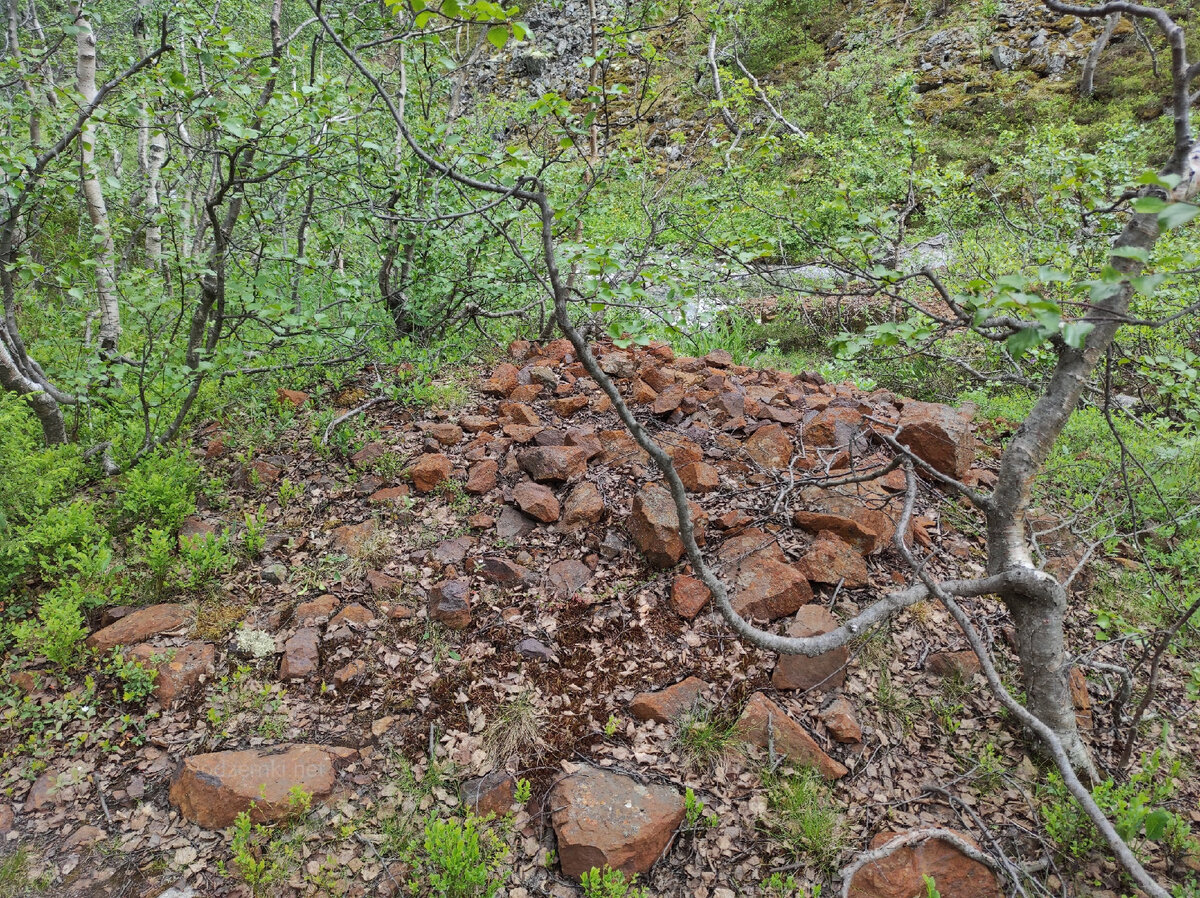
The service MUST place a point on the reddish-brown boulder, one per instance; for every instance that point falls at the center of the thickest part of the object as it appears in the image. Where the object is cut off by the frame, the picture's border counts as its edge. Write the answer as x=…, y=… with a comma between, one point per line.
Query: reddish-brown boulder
x=553, y=463
x=608, y=819
x=389, y=494
x=315, y=610
x=901, y=874
x=526, y=393
x=503, y=380
x=839, y=718
x=770, y=448
x=537, y=501
x=450, y=603
x=938, y=435
x=483, y=476
x=430, y=471
x=265, y=471
x=519, y=413
x=502, y=572
x=835, y=427
x=699, y=477
x=368, y=456
x=767, y=589
x=657, y=377
x=349, y=673
x=491, y=794
x=353, y=615
x=763, y=722
x=446, y=434
x=569, y=576
x=564, y=408
x=668, y=400
x=642, y=394
x=826, y=671
x=688, y=596
x=857, y=516
x=667, y=704
x=179, y=669
x=584, y=505
x=719, y=358
x=293, y=398
x=654, y=526
x=963, y=665
x=300, y=654
x=478, y=424
x=211, y=790
x=140, y=625
x=350, y=538
x=584, y=438
x=832, y=560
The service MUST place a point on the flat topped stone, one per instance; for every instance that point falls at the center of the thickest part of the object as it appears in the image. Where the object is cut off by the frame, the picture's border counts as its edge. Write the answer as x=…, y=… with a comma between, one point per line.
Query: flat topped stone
x=140, y=625
x=902, y=873
x=211, y=790
x=603, y=819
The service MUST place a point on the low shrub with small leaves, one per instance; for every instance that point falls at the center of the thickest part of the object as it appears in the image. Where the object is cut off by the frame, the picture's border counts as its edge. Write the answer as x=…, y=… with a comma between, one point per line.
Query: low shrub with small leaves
x=610, y=883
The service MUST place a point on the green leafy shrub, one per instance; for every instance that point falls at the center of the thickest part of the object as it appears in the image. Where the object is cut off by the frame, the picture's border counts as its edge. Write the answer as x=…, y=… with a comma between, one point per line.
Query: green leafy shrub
x=203, y=558
x=137, y=680
x=161, y=491
x=35, y=477
x=610, y=883
x=1135, y=807
x=59, y=629
x=460, y=860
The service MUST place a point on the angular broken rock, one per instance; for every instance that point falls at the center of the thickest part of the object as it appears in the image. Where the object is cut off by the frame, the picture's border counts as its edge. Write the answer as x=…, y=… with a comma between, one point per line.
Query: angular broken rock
x=301, y=654
x=902, y=873
x=569, y=576
x=430, y=471
x=179, y=670
x=355, y=670
x=688, y=596
x=491, y=794
x=699, y=477
x=503, y=380
x=140, y=625
x=938, y=435
x=482, y=476
x=667, y=704
x=553, y=463
x=768, y=589
x=512, y=524
x=584, y=505
x=211, y=790
x=603, y=819
x=964, y=664
x=502, y=572
x=534, y=649
x=770, y=448
x=450, y=603
x=831, y=560
x=854, y=514
x=350, y=538
x=654, y=526
x=315, y=610
x=826, y=671
x=537, y=501
x=839, y=718
x=446, y=434
x=833, y=428
x=764, y=723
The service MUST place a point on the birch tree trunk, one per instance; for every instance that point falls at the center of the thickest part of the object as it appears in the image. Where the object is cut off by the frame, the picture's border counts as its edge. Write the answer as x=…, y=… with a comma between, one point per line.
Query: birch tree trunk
x=106, y=282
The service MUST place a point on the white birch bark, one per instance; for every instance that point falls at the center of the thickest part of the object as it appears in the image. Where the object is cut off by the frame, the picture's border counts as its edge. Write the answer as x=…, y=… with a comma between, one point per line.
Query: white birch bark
x=106, y=286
